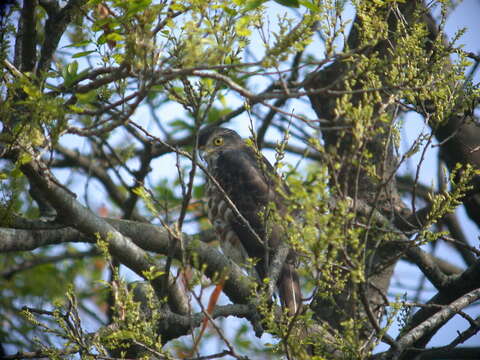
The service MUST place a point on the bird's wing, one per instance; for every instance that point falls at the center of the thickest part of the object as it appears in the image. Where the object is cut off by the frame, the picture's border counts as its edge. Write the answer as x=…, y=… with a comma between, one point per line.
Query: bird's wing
x=250, y=188
x=251, y=183
x=242, y=178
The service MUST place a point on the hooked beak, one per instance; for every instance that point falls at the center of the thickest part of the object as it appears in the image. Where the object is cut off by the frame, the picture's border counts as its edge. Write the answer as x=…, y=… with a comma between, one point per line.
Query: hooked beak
x=201, y=152
x=204, y=153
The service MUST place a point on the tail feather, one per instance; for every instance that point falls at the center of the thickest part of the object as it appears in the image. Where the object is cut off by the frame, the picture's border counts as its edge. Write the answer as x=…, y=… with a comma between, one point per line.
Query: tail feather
x=289, y=288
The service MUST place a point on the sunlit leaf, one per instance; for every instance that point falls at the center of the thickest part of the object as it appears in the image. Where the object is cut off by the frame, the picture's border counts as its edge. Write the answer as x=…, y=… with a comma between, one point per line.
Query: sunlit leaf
x=82, y=54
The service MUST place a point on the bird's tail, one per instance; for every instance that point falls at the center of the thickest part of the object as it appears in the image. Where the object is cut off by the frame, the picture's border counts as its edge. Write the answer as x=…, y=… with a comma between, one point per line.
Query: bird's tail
x=289, y=288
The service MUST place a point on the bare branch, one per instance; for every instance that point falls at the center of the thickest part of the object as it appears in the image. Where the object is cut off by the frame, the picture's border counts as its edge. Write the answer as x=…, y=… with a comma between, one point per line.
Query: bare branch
x=29, y=264
x=55, y=26
x=146, y=236
x=434, y=322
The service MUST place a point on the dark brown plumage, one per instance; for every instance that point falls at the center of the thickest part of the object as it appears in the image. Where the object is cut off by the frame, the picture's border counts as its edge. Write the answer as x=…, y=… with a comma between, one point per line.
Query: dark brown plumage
x=249, y=181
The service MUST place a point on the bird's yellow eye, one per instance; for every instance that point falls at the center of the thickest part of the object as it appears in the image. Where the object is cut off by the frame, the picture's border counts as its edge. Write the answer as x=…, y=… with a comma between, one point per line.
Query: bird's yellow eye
x=218, y=141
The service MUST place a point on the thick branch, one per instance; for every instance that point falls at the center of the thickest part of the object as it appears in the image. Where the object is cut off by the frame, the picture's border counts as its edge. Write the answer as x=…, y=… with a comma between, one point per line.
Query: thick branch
x=55, y=27
x=466, y=353
x=28, y=36
x=29, y=264
x=459, y=136
x=76, y=215
x=173, y=325
x=437, y=277
x=434, y=322
x=457, y=287
x=146, y=236
x=73, y=158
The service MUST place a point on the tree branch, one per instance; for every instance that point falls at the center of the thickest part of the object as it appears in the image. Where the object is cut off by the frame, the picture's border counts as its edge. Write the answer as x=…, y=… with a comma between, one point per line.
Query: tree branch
x=28, y=36
x=431, y=324
x=29, y=264
x=456, y=288
x=73, y=158
x=55, y=26
x=73, y=213
x=149, y=238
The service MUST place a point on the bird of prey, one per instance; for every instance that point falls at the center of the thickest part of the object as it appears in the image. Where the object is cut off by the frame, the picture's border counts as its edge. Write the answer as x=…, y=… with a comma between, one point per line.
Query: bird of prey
x=248, y=182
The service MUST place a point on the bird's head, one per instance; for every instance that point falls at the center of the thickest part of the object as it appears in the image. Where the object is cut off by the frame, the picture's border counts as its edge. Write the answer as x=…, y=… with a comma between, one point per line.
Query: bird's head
x=213, y=140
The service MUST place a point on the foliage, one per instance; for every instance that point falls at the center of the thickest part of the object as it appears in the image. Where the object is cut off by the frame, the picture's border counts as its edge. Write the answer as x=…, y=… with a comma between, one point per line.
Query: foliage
x=101, y=105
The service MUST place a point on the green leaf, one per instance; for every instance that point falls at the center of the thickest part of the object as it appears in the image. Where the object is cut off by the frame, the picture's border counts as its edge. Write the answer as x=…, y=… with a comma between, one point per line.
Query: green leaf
x=310, y=6
x=198, y=191
x=253, y=4
x=72, y=68
x=157, y=88
x=51, y=87
x=118, y=58
x=136, y=7
x=24, y=158
x=114, y=37
x=289, y=3
x=78, y=44
x=87, y=98
x=82, y=54
x=180, y=124
x=75, y=109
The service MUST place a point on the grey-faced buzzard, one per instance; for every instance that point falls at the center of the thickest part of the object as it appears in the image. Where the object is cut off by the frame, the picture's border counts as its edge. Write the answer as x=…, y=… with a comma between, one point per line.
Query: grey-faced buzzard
x=250, y=182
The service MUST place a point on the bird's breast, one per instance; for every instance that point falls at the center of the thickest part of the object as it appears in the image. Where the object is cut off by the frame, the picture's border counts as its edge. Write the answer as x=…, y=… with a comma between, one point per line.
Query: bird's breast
x=221, y=216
